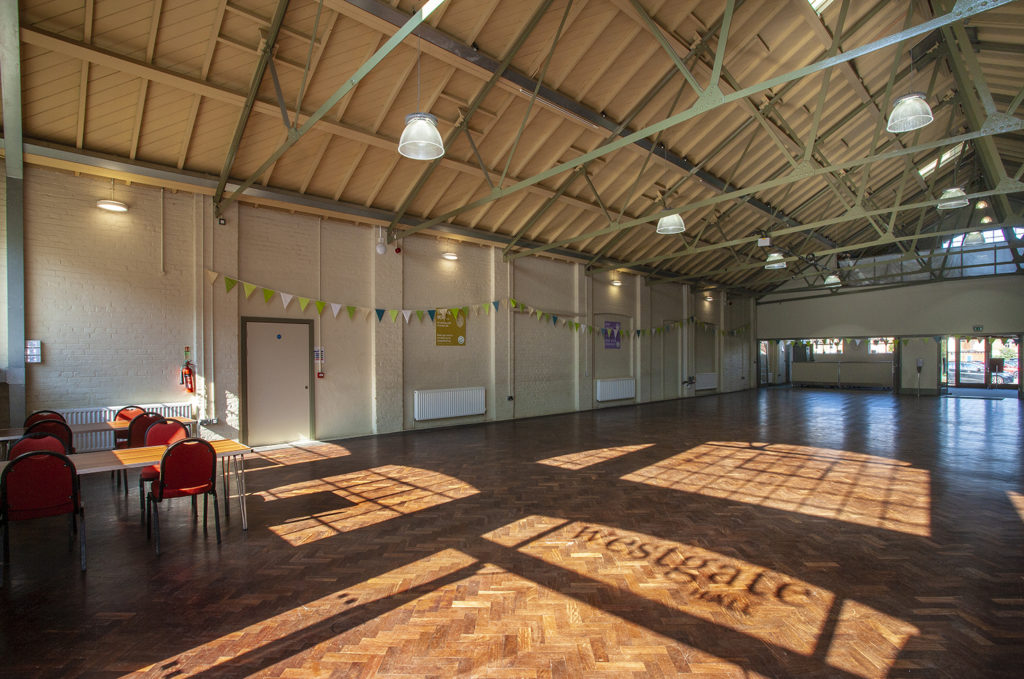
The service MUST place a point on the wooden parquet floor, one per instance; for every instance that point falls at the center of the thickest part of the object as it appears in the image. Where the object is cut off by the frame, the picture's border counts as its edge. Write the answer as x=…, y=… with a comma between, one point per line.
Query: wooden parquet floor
x=772, y=533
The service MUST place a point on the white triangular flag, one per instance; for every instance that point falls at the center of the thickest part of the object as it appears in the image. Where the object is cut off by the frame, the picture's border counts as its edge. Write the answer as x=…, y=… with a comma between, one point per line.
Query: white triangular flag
x=211, y=276
x=335, y=308
x=407, y=313
x=286, y=299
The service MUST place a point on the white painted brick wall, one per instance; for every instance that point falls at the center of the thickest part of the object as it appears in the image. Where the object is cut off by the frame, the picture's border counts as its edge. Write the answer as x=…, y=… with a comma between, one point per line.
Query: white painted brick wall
x=112, y=324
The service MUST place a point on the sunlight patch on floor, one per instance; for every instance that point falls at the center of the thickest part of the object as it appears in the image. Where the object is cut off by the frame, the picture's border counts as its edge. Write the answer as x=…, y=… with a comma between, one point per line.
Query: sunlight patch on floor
x=833, y=484
x=1018, y=503
x=586, y=458
x=774, y=607
x=339, y=504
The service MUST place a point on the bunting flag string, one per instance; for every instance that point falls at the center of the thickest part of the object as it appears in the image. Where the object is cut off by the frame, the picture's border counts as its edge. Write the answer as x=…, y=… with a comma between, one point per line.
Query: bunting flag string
x=464, y=311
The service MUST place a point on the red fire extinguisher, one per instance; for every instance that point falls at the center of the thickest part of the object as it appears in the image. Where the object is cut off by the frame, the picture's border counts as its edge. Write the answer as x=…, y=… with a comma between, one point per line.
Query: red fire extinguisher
x=188, y=374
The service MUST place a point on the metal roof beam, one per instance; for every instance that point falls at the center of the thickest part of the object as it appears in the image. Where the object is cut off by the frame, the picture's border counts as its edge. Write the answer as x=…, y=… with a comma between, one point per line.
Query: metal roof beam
x=250, y=98
x=715, y=100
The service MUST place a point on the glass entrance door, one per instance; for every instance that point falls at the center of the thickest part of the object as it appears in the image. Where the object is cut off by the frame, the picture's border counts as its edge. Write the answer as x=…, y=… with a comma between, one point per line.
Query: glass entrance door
x=1003, y=362
x=982, y=362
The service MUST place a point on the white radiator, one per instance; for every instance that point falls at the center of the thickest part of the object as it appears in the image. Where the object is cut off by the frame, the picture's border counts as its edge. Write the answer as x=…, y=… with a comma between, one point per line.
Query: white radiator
x=104, y=440
x=435, y=404
x=707, y=381
x=616, y=389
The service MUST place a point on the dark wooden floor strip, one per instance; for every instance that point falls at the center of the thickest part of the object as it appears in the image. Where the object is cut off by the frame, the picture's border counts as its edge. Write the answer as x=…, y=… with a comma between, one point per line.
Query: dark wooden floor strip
x=777, y=533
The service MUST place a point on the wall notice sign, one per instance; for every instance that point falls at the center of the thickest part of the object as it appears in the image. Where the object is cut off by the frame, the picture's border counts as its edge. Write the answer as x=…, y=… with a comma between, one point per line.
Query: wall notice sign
x=449, y=328
x=612, y=335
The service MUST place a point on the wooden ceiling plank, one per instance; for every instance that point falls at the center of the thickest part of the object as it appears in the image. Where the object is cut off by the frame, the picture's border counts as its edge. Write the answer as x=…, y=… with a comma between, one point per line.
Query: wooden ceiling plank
x=211, y=45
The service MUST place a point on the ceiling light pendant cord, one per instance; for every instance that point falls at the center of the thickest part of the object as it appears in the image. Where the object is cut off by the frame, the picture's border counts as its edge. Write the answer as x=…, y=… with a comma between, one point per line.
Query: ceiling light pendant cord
x=418, y=107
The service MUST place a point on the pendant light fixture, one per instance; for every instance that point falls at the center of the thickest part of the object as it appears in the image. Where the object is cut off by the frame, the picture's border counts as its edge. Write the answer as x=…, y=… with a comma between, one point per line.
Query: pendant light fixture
x=952, y=199
x=420, y=139
x=909, y=112
x=381, y=246
x=671, y=224
x=111, y=205
x=832, y=281
x=775, y=261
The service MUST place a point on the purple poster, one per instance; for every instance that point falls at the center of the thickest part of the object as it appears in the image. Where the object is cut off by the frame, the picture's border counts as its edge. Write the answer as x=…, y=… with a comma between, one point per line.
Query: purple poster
x=612, y=335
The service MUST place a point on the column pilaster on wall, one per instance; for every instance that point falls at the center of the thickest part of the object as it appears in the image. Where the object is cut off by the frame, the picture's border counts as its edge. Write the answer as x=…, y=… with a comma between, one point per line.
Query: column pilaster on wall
x=643, y=351
x=388, y=345
x=221, y=354
x=582, y=347
x=502, y=367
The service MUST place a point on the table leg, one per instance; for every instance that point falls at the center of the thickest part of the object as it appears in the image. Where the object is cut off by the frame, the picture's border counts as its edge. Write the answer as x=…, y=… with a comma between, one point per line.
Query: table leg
x=239, y=463
x=224, y=462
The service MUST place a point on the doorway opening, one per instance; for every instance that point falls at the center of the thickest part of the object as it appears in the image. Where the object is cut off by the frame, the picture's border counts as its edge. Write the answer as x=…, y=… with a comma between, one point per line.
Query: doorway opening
x=982, y=362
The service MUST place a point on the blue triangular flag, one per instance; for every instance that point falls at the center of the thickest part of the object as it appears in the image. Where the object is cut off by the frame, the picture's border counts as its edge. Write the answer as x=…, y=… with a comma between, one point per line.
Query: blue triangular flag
x=431, y=312
x=495, y=303
x=380, y=314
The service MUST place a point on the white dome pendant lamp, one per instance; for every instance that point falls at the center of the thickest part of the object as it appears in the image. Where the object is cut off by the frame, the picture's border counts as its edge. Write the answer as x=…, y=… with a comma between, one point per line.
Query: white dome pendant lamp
x=420, y=139
x=909, y=112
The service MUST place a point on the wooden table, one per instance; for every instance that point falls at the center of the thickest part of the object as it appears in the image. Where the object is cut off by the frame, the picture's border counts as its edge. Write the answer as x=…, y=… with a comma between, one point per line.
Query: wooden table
x=16, y=433
x=232, y=452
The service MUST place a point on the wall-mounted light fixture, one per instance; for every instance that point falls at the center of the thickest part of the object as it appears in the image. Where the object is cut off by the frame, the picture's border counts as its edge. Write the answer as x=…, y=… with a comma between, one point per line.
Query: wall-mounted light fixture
x=617, y=283
x=111, y=205
x=450, y=255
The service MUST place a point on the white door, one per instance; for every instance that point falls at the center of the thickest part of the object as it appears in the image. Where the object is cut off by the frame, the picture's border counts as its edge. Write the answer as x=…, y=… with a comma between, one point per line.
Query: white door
x=277, y=385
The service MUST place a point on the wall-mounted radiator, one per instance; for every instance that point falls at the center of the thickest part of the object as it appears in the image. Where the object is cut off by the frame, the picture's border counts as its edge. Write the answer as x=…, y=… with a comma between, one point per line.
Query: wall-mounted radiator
x=616, y=389
x=104, y=440
x=436, y=404
x=707, y=381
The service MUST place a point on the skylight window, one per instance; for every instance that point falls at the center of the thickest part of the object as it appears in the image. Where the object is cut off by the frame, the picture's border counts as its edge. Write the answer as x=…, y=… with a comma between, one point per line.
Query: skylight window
x=942, y=160
x=819, y=5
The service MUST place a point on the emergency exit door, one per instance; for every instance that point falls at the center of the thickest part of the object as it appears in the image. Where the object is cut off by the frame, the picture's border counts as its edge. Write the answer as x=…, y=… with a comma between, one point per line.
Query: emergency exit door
x=277, y=380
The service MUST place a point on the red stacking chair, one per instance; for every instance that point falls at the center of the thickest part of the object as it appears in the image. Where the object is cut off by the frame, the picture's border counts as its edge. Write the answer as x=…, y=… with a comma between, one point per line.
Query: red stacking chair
x=160, y=433
x=41, y=415
x=135, y=436
x=187, y=469
x=30, y=443
x=126, y=414
x=56, y=428
x=39, y=484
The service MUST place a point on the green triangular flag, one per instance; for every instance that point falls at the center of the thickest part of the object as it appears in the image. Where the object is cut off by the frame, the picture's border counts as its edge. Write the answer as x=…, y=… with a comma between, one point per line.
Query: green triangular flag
x=393, y=313
x=512, y=303
x=351, y=312
x=249, y=288
x=268, y=294
x=303, y=303
x=229, y=283
x=419, y=314
x=320, y=307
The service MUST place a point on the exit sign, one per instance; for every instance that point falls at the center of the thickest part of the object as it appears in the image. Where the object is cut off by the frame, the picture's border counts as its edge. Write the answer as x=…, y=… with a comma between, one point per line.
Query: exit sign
x=979, y=328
